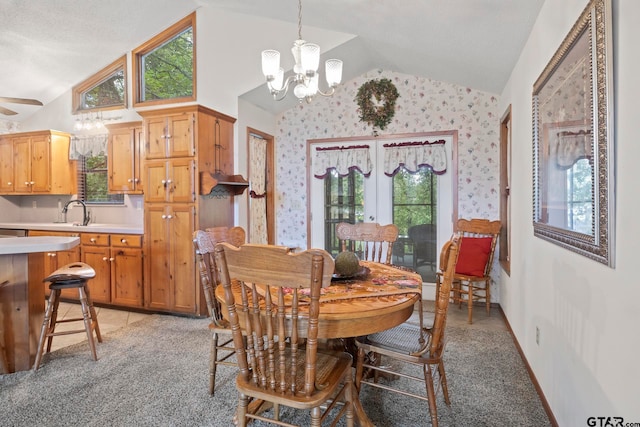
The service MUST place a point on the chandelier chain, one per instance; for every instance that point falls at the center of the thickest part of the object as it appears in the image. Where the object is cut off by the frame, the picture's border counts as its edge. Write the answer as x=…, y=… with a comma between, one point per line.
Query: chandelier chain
x=299, y=19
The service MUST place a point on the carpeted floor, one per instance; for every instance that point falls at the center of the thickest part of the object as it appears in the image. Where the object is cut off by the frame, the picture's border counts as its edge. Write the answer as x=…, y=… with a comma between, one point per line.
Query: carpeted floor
x=154, y=373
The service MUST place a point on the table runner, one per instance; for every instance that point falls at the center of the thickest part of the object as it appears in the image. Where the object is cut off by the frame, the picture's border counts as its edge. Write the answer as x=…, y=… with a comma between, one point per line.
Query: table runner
x=383, y=280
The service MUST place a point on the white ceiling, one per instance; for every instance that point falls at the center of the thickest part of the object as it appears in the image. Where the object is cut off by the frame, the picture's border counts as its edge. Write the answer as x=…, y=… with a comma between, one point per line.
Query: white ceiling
x=47, y=46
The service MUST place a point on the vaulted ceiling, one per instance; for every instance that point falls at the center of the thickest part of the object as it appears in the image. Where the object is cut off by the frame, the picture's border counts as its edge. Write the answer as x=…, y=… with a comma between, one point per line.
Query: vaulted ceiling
x=47, y=46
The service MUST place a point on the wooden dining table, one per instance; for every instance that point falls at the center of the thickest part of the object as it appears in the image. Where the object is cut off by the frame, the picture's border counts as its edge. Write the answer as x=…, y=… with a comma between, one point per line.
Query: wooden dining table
x=380, y=297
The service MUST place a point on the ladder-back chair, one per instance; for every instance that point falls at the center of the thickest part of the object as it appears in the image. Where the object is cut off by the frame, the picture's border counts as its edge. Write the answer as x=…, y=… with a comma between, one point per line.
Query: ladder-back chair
x=412, y=344
x=369, y=240
x=273, y=295
x=204, y=242
x=472, y=281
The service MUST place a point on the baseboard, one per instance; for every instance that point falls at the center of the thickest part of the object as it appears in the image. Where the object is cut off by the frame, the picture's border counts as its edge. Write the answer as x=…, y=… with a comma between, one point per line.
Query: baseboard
x=534, y=380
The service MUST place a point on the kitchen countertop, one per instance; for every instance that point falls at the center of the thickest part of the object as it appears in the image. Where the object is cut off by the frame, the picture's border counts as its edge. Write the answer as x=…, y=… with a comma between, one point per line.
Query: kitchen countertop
x=25, y=245
x=90, y=228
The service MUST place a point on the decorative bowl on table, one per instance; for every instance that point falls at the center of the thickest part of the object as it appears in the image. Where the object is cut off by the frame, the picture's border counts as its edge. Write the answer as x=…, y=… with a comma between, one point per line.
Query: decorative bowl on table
x=361, y=273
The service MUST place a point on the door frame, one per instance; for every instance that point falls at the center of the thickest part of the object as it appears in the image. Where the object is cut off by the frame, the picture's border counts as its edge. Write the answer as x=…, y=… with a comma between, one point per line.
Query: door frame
x=409, y=136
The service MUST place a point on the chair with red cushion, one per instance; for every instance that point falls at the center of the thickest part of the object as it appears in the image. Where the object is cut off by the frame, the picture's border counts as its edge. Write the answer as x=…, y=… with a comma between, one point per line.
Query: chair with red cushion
x=472, y=281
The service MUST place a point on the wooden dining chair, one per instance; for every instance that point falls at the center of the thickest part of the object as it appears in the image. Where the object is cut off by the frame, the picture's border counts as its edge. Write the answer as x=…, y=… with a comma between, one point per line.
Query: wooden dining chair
x=278, y=356
x=472, y=281
x=204, y=242
x=369, y=240
x=412, y=344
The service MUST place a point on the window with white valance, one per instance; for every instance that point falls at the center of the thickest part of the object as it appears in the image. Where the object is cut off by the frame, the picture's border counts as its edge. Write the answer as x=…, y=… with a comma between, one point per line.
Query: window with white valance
x=342, y=159
x=87, y=146
x=413, y=155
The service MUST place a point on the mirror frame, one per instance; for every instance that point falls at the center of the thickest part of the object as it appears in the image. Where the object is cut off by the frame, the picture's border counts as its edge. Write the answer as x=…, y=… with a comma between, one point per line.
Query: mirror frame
x=595, y=22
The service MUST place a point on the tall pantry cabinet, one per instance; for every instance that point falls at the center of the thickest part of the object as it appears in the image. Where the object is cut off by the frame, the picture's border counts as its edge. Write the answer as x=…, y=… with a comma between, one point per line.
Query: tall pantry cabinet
x=181, y=143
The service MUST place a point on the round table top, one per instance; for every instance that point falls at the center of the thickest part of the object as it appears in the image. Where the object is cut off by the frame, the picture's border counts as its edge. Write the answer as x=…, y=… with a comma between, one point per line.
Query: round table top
x=342, y=316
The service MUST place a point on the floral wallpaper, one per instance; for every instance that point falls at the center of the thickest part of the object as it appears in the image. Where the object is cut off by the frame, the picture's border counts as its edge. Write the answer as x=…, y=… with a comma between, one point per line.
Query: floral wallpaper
x=424, y=105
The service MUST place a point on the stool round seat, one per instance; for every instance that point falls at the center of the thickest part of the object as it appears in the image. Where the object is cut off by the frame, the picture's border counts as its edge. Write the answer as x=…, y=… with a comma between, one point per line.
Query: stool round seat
x=73, y=275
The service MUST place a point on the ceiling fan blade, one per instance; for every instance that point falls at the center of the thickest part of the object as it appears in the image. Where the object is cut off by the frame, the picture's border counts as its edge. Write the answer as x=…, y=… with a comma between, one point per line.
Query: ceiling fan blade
x=20, y=100
x=7, y=112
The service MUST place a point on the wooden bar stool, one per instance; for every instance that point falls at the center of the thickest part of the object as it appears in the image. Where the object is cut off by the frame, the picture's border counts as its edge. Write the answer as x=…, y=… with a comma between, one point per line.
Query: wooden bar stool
x=74, y=275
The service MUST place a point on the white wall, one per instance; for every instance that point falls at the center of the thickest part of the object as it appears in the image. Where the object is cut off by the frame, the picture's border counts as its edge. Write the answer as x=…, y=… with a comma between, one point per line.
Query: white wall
x=587, y=313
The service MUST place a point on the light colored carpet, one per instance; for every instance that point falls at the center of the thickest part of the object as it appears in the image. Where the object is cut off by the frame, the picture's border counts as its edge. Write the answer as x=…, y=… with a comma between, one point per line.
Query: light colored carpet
x=155, y=373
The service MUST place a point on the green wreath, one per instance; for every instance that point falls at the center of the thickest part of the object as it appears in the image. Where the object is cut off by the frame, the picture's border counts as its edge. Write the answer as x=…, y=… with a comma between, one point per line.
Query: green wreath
x=383, y=90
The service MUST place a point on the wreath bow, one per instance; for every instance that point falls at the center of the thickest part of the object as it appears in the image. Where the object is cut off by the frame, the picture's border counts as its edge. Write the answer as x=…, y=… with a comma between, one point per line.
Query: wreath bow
x=382, y=90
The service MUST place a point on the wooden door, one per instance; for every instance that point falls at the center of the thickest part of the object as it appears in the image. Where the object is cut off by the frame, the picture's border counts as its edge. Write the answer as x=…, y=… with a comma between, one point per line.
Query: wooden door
x=156, y=181
x=182, y=259
x=99, y=258
x=180, y=139
x=41, y=164
x=156, y=139
x=126, y=276
x=120, y=160
x=139, y=152
x=181, y=181
x=6, y=165
x=22, y=164
x=157, y=271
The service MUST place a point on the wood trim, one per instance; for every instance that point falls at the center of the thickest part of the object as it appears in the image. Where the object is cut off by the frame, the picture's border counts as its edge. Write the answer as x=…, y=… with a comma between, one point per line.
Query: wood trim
x=270, y=184
x=96, y=79
x=505, y=167
x=534, y=380
x=454, y=164
x=153, y=43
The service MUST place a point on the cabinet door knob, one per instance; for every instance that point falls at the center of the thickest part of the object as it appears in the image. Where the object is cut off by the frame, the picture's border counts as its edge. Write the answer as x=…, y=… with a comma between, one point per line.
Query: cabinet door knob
x=92, y=240
x=169, y=181
x=136, y=180
x=32, y=182
x=130, y=180
x=26, y=183
x=123, y=240
x=111, y=259
x=163, y=217
x=169, y=216
x=9, y=183
x=104, y=258
x=53, y=254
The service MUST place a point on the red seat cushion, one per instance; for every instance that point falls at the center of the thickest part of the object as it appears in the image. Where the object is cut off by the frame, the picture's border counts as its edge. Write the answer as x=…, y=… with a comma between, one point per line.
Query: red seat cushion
x=473, y=256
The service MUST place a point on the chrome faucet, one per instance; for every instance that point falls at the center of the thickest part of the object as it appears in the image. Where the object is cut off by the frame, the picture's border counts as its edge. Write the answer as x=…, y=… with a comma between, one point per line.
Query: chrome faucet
x=85, y=215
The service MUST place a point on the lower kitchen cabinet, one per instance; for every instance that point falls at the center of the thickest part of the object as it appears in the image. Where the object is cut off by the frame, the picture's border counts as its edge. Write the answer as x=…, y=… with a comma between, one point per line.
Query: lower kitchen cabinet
x=171, y=283
x=117, y=260
x=53, y=261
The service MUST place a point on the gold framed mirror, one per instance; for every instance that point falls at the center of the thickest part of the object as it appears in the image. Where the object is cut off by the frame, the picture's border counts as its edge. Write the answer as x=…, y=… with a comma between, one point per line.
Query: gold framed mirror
x=573, y=145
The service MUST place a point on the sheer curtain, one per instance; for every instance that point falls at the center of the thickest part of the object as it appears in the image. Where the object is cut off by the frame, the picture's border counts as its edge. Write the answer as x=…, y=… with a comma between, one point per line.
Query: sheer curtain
x=257, y=183
x=87, y=145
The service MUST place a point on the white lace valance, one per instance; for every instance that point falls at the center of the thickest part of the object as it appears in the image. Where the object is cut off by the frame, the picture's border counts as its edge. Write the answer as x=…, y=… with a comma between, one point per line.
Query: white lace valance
x=87, y=145
x=573, y=146
x=342, y=159
x=413, y=155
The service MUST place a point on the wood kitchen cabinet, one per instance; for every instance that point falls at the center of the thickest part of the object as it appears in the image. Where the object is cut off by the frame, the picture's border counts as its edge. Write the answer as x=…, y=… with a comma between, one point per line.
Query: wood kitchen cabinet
x=180, y=144
x=40, y=163
x=6, y=165
x=170, y=268
x=116, y=258
x=124, y=158
x=171, y=181
x=118, y=262
x=53, y=261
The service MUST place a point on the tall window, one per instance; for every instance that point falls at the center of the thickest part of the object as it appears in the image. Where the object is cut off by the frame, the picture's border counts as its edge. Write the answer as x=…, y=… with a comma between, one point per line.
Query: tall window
x=344, y=202
x=93, y=181
x=105, y=90
x=164, y=66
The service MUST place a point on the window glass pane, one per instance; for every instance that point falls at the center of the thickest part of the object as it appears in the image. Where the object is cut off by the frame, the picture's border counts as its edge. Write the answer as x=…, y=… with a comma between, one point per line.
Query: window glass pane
x=95, y=182
x=579, y=199
x=344, y=202
x=167, y=71
x=415, y=213
x=111, y=92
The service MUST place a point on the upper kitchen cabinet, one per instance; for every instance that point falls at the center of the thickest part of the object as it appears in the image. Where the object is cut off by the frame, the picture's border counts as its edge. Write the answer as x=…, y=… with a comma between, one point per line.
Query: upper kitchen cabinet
x=37, y=163
x=190, y=131
x=124, y=160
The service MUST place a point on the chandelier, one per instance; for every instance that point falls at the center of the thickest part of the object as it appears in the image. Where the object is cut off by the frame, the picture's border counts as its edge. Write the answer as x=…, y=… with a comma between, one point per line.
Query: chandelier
x=305, y=78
